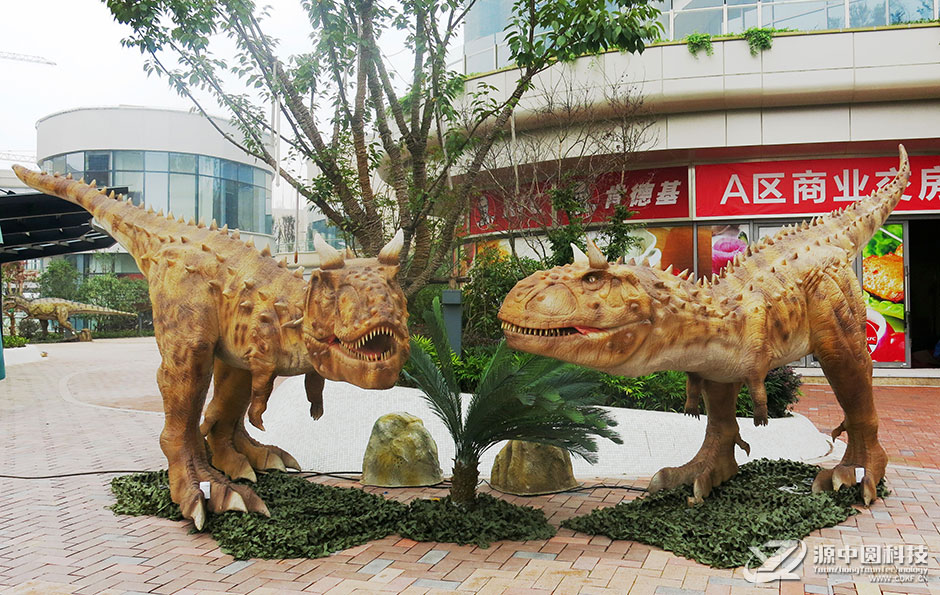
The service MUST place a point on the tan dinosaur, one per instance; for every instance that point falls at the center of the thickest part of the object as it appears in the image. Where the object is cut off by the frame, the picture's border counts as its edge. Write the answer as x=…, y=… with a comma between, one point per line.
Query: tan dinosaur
x=219, y=304
x=46, y=309
x=791, y=294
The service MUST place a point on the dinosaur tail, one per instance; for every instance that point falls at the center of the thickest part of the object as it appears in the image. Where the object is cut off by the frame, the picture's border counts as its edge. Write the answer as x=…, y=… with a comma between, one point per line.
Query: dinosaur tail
x=86, y=309
x=865, y=217
x=118, y=217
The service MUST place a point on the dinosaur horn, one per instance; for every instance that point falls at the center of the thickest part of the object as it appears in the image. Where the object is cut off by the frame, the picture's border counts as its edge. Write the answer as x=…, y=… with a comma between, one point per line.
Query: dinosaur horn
x=389, y=254
x=595, y=257
x=579, y=256
x=330, y=257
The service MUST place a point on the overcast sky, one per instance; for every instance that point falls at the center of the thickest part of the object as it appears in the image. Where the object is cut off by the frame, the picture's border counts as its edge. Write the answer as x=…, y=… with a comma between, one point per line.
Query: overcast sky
x=92, y=68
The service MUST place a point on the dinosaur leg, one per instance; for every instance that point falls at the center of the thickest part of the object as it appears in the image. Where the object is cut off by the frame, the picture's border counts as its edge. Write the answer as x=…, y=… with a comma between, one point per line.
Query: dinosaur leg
x=693, y=394
x=755, y=387
x=313, y=386
x=62, y=316
x=839, y=345
x=714, y=463
x=233, y=450
x=45, y=327
x=183, y=378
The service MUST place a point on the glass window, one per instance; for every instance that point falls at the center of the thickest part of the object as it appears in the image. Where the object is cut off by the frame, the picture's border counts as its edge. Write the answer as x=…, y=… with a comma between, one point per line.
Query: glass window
x=208, y=166
x=98, y=161
x=183, y=195
x=58, y=164
x=210, y=203
x=867, y=13
x=718, y=244
x=183, y=162
x=741, y=18
x=230, y=202
x=47, y=165
x=906, y=11
x=229, y=169
x=260, y=178
x=75, y=163
x=246, y=173
x=157, y=161
x=698, y=21
x=134, y=181
x=245, y=210
x=101, y=178
x=133, y=160
x=804, y=16
x=156, y=188
x=258, y=223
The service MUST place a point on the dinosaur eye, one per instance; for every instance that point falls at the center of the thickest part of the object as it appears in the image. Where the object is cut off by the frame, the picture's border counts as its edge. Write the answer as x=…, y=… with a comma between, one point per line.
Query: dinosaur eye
x=591, y=279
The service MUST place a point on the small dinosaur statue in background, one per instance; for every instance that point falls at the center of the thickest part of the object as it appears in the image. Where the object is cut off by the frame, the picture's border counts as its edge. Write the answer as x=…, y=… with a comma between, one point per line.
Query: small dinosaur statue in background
x=46, y=309
x=790, y=294
x=221, y=307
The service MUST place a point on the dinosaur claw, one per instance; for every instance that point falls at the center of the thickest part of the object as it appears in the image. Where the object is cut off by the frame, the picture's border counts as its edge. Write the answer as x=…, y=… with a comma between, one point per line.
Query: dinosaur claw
x=195, y=510
x=843, y=475
x=290, y=461
x=232, y=501
x=869, y=490
x=823, y=481
x=274, y=461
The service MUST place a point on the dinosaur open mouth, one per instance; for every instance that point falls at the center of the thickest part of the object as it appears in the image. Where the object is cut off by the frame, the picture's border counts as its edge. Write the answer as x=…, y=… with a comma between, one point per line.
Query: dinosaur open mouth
x=375, y=345
x=550, y=332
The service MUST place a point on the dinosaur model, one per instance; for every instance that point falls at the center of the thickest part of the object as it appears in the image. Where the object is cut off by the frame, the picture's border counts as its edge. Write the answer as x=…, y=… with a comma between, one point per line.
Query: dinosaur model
x=46, y=309
x=221, y=307
x=790, y=294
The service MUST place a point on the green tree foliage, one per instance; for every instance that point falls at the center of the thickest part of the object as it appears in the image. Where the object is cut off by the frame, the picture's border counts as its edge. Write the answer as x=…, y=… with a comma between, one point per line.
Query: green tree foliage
x=492, y=276
x=117, y=293
x=343, y=109
x=59, y=280
x=517, y=398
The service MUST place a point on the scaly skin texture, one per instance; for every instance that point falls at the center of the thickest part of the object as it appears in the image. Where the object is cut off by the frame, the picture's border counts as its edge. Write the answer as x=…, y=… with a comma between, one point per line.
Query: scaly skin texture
x=790, y=295
x=46, y=309
x=221, y=307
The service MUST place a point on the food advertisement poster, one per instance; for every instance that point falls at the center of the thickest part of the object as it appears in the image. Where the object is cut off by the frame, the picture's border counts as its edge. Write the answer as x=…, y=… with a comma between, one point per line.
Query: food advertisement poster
x=664, y=246
x=717, y=246
x=883, y=284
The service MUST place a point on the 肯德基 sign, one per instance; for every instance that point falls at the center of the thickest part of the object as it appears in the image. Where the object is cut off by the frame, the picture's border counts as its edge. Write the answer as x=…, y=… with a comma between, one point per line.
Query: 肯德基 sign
x=653, y=194
x=809, y=186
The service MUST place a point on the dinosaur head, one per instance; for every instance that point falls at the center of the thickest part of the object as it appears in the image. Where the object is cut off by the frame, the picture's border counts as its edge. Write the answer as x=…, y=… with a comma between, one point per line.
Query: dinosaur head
x=590, y=312
x=355, y=318
x=13, y=302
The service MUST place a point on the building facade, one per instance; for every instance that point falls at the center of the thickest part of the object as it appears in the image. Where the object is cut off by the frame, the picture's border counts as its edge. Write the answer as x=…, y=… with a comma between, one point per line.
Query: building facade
x=739, y=145
x=173, y=161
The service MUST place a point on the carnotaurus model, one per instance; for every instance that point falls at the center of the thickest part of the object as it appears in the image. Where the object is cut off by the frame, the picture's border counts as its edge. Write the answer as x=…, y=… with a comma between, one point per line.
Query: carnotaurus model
x=791, y=294
x=46, y=309
x=218, y=303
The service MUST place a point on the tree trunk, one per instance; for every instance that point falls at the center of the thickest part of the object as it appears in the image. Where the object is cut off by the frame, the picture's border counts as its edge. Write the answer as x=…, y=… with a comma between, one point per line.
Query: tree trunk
x=463, y=484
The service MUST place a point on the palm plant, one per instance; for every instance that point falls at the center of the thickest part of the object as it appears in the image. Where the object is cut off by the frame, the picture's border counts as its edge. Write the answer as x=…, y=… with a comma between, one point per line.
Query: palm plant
x=518, y=397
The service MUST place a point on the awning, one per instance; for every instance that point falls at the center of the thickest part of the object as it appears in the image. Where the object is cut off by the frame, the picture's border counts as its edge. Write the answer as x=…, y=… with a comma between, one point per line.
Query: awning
x=34, y=225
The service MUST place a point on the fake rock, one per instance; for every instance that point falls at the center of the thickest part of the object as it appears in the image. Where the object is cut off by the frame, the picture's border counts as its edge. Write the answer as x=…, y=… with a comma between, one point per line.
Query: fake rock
x=400, y=453
x=527, y=468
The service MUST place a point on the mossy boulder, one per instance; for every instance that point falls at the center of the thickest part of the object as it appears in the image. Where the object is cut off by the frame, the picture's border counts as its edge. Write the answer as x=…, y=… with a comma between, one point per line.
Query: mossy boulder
x=401, y=452
x=527, y=468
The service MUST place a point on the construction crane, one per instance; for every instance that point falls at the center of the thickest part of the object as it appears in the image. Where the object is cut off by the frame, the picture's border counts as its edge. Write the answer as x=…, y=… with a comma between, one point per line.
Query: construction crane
x=26, y=58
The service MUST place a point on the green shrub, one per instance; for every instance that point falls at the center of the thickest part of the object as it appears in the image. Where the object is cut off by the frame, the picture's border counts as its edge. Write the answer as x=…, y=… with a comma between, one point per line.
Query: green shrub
x=665, y=391
x=492, y=276
x=759, y=40
x=698, y=42
x=117, y=293
x=11, y=342
x=59, y=280
x=27, y=327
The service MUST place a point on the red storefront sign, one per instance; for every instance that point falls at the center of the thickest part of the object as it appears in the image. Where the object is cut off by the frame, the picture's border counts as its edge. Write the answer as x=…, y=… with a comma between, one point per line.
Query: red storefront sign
x=809, y=186
x=652, y=194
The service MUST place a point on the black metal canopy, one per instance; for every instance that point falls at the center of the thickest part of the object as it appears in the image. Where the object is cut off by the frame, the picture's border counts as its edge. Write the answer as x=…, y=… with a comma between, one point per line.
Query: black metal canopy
x=34, y=225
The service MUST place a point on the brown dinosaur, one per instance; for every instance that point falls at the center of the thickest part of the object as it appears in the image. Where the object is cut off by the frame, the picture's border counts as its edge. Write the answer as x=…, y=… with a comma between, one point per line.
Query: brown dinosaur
x=789, y=295
x=46, y=309
x=219, y=305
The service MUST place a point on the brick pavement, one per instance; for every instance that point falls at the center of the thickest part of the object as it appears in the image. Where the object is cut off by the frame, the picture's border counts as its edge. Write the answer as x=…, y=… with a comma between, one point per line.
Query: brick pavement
x=56, y=536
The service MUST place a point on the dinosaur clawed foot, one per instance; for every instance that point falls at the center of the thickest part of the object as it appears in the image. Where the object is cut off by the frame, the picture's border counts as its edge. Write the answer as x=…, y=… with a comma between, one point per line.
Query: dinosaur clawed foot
x=866, y=467
x=760, y=414
x=186, y=479
x=239, y=455
x=691, y=408
x=703, y=473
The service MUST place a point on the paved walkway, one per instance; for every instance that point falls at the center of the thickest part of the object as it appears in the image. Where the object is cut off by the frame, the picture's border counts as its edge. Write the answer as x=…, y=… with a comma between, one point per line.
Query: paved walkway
x=56, y=536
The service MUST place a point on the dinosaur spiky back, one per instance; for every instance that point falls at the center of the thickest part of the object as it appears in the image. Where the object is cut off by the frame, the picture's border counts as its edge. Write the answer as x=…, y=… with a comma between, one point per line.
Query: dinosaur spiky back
x=141, y=231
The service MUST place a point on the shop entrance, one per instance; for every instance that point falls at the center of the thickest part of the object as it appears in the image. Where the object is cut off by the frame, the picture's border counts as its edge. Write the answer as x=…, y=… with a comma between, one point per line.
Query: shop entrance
x=924, y=292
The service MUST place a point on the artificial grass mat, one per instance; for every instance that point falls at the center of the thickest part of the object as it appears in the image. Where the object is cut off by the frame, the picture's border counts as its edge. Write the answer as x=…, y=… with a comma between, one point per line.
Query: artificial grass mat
x=310, y=520
x=766, y=500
